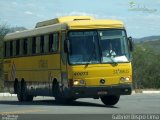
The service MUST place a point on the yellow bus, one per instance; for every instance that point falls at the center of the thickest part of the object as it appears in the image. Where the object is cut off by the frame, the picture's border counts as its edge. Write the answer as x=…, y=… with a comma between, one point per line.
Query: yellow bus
x=69, y=58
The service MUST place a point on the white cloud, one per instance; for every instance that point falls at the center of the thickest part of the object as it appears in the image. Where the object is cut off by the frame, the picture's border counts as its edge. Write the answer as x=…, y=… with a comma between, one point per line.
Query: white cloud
x=113, y=17
x=28, y=12
x=76, y=13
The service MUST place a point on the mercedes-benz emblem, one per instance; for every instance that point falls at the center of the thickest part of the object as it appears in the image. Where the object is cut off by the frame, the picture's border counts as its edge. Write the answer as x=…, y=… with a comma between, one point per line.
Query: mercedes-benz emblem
x=102, y=81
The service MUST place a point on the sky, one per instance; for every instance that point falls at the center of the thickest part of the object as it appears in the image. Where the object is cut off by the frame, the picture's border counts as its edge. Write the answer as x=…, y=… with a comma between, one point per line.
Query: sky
x=141, y=17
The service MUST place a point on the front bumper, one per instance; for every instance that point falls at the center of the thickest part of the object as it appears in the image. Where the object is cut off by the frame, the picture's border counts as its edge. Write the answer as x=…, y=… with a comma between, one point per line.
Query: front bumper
x=95, y=92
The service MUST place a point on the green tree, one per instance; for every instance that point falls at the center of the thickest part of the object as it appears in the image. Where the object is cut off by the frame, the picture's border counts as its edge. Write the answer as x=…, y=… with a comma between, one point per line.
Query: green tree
x=3, y=31
x=146, y=67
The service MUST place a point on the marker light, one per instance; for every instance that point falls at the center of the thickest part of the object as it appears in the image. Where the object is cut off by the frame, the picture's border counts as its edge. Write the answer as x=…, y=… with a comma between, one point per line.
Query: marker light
x=82, y=82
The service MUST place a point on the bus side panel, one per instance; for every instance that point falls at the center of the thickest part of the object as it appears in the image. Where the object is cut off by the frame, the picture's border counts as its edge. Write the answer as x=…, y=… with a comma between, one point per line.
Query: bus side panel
x=37, y=71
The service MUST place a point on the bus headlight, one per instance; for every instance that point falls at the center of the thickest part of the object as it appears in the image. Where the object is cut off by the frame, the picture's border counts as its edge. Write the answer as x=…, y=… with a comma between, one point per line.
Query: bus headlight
x=75, y=82
x=79, y=82
x=124, y=79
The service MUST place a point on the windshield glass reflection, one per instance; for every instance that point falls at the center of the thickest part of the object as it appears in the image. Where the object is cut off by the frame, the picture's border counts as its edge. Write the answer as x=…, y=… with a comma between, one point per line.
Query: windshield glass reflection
x=83, y=47
x=103, y=46
x=113, y=46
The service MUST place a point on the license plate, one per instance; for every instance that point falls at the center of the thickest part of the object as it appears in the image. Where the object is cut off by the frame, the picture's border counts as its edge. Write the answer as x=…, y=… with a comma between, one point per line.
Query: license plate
x=102, y=92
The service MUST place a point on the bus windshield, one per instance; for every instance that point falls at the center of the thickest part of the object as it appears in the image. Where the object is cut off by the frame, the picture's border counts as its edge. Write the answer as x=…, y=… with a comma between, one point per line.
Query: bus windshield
x=101, y=46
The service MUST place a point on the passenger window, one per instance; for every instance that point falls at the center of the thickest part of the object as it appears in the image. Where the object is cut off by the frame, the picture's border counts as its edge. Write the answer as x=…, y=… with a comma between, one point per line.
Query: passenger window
x=11, y=48
x=14, y=48
x=29, y=48
x=37, y=44
x=46, y=43
x=17, y=47
x=33, y=45
x=7, y=49
x=53, y=42
x=50, y=43
x=25, y=45
x=42, y=44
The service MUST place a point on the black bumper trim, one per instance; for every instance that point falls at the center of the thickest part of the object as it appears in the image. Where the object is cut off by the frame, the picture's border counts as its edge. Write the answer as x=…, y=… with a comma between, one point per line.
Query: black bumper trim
x=94, y=92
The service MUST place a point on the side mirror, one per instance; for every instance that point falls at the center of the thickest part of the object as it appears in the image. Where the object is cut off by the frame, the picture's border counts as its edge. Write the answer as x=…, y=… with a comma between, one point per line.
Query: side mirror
x=66, y=46
x=130, y=44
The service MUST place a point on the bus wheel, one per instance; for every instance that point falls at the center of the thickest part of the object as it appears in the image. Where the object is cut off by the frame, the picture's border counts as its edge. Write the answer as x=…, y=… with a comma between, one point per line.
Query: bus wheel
x=59, y=97
x=58, y=94
x=110, y=99
x=19, y=93
x=16, y=86
x=23, y=94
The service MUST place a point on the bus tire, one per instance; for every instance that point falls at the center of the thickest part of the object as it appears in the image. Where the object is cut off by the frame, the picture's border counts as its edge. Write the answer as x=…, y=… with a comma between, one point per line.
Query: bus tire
x=57, y=93
x=19, y=93
x=23, y=95
x=110, y=99
x=54, y=87
x=59, y=97
x=16, y=86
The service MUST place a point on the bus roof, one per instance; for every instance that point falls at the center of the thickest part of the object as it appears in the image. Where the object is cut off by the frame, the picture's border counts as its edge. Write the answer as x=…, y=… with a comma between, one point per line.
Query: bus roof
x=62, y=20
x=35, y=31
x=95, y=24
x=66, y=23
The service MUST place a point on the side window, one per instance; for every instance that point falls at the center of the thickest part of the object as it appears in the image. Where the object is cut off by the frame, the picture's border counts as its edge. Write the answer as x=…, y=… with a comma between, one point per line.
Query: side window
x=53, y=42
x=14, y=48
x=11, y=48
x=21, y=46
x=38, y=44
x=17, y=47
x=29, y=48
x=33, y=45
x=46, y=43
x=42, y=44
x=7, y=49
x=25, y=45
x=50, y=42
